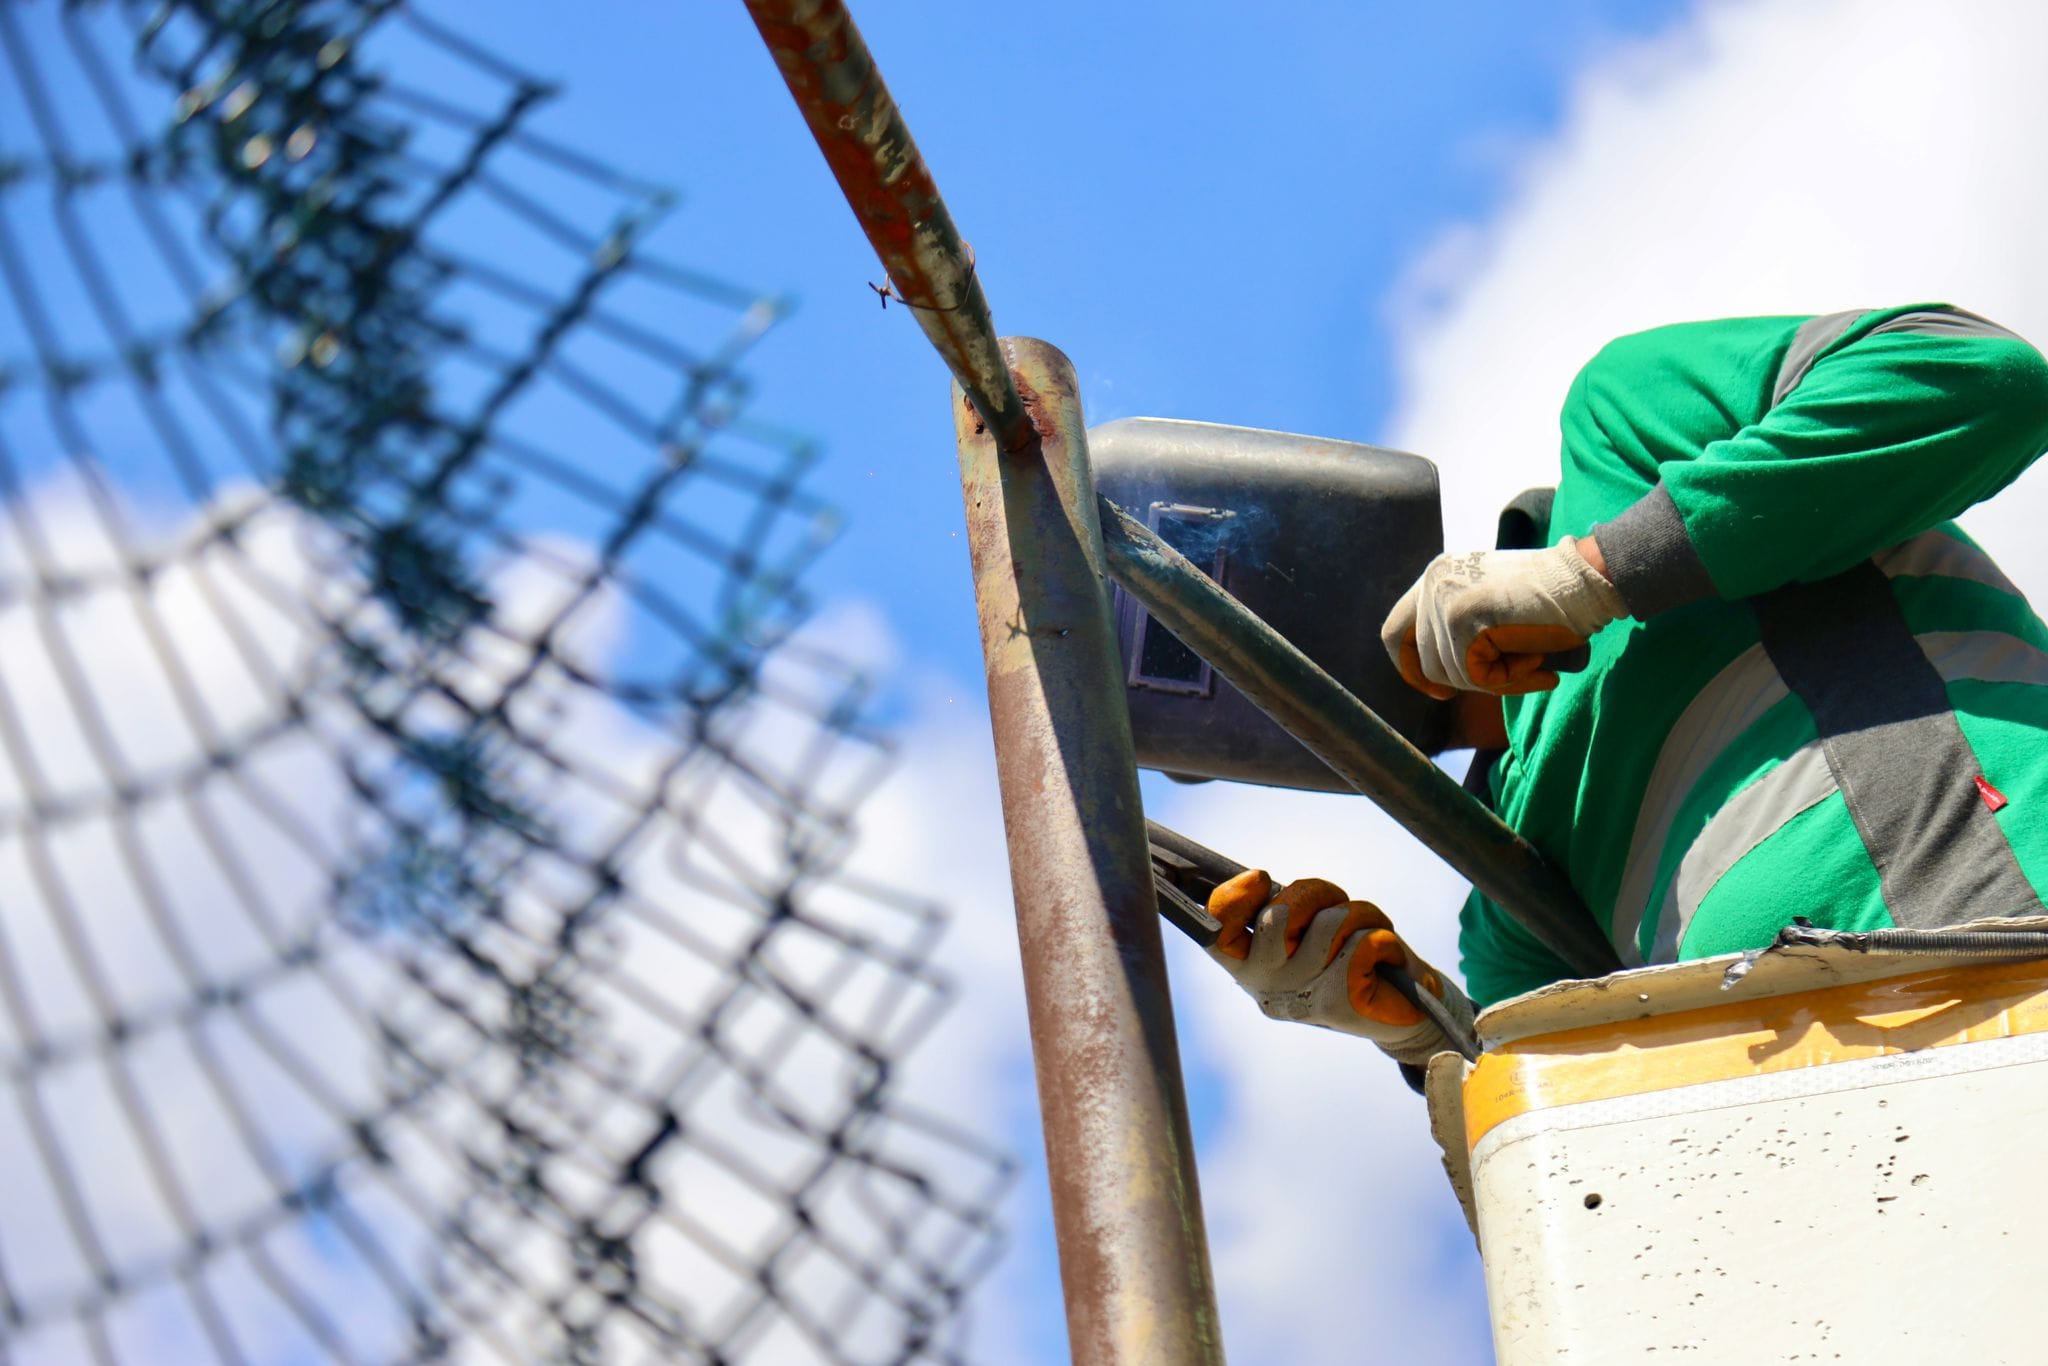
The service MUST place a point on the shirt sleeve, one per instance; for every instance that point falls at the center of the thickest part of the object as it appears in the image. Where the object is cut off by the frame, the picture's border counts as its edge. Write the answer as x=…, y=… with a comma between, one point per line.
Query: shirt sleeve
x=1499, y=958
x=1882, y=425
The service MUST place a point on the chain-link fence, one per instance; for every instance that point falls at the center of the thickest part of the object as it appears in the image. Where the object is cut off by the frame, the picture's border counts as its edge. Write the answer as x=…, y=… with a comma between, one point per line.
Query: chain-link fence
x=423, y=922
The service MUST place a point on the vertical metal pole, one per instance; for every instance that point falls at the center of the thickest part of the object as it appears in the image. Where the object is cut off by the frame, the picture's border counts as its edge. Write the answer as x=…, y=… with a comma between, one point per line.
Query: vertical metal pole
x=1134, y=1257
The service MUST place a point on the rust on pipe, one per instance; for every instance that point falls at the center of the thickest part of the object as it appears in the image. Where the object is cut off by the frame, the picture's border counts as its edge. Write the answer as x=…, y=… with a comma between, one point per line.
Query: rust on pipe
x=1134, y=1259
x=1354, y=741
x=860, y=130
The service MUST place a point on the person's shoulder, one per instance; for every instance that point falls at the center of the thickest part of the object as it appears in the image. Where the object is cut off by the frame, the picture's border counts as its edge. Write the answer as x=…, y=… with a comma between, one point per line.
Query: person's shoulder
x=1701, y=335
x=1713, y=354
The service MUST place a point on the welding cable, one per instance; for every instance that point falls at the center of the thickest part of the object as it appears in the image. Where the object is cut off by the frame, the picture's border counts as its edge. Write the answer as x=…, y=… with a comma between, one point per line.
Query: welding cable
x=1183, y=912
x=1457, y=1033
x=1216, y=868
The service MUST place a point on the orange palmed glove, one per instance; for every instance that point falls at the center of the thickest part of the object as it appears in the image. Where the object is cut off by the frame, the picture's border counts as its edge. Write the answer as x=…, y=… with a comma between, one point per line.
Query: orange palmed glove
x=1307, y=953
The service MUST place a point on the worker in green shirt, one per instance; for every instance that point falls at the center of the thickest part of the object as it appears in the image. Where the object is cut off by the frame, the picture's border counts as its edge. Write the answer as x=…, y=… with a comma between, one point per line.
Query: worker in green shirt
x=1809, y=693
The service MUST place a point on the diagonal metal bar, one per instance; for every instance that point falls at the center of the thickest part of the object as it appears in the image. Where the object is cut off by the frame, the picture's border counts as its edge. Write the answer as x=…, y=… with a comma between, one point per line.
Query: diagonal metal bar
x=1352, y=739
x=862, y=134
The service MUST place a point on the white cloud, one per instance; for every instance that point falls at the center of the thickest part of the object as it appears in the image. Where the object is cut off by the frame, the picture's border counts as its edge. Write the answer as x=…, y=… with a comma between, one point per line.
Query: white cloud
x=936, y=825
x=1332, y=1224
x=1320, y=1182
x=117, y=691
x=1800, y=155
x=1790, y=157
x=1785, y=157
x=83, y=940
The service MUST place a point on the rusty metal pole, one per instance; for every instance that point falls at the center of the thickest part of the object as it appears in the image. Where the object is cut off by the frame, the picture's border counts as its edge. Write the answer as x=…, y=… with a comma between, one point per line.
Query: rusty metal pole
x=1134, y=1258
x=858, y=127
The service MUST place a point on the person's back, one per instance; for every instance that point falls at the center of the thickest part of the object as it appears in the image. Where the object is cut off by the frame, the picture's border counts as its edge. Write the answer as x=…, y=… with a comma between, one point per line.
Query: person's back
x=1808, y=695
x=1826, y=702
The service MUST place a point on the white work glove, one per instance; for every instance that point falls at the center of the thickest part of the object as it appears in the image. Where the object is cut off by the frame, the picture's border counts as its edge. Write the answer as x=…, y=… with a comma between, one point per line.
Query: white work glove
x=1483, y=621
x=1308, y=954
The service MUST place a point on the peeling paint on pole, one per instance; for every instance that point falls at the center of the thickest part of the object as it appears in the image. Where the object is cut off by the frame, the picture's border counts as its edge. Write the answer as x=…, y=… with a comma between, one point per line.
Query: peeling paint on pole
x=1134, y=1258
x=856, y=124
x=1133, y=1254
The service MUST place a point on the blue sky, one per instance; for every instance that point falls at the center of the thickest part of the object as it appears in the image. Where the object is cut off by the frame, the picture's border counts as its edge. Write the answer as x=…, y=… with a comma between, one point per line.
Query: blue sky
x=1201, y=204
x=1403, y=223
x=1209, y=207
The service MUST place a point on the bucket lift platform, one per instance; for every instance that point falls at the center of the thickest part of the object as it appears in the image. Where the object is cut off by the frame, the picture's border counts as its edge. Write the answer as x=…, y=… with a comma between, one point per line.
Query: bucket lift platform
x=1841, y=1157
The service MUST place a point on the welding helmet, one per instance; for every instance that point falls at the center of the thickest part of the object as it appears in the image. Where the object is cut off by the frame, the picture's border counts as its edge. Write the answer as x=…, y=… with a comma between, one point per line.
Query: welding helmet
x=1318, y=537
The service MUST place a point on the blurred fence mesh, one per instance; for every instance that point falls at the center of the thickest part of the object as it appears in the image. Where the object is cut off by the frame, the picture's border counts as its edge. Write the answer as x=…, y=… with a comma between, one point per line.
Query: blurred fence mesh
x=424, y=927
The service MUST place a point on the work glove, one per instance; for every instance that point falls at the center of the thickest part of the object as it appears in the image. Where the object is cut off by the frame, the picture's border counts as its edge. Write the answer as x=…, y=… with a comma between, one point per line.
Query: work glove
x=1483, y=621
x=1309, y=954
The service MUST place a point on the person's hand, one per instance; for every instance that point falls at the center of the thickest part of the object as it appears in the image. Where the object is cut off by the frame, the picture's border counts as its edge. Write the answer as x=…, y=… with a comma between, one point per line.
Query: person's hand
x=1483, y=621
x=1307, y=953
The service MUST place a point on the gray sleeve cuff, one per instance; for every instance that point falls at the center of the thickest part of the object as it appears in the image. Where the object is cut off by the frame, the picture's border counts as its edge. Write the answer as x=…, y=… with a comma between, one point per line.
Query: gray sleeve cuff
x=1650, y=559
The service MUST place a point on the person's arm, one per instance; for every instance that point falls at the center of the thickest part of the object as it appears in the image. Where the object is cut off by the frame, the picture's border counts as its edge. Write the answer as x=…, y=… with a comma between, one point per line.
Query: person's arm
x=1305, y=953
x=1906, y=420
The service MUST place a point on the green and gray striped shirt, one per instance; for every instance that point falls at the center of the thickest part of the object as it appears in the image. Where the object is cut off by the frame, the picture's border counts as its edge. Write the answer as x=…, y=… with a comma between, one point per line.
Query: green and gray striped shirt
x=1827, y=702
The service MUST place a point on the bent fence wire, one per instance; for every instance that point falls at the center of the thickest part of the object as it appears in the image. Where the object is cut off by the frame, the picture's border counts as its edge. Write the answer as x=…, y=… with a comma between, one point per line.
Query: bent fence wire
x=423, y=923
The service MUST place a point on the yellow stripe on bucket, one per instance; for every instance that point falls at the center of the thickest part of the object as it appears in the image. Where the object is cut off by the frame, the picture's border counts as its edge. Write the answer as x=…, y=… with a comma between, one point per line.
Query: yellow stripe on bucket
x=1749, y=1038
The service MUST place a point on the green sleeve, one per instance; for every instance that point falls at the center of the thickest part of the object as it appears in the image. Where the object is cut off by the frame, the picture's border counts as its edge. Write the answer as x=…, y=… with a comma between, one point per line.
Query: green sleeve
x=1898, y=425
x=1499, y=958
